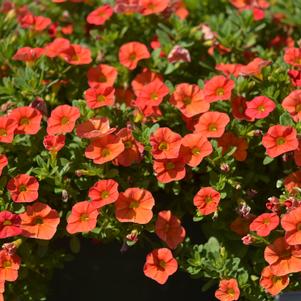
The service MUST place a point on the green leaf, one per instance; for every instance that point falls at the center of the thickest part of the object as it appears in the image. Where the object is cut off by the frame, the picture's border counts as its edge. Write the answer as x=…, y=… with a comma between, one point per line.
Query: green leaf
x=286, y=119
x=267, y=160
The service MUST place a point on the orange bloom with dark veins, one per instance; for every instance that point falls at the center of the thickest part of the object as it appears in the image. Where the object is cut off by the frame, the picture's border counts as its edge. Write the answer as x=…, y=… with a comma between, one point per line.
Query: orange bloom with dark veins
x=189, y=99
x=160, y=264
x=28, y=119
x=3, y=163
x=292, y=103
x=56, y=47
x=283, y=258
x=265, y=223
x=212, y=124
x=7, y=129
x=228, y=290
x=292, y=56
x=104, y=149
x=230, y=140
x=54, y=143
x=9, y=266
x=99, y=96
x=169, y=229
x=76, y=55
x=254, y=67
x=131, y=53
x=291, y=223
x=23, y=188
x=83, y=218
x=271, y=283
x=9, y=224
x=218, y=88
x=103, y=192
x=28, y=54
x=102, y=74
x=39, y=221
x=165, y=143
x=260, y=107
x=133, y=149
x=206, y=200
x=169, y=170
x=292, y=182
x=94, y=128
x=62, y=120
x=152, y=94
x=134, y=205
x=195, y=148
x=280, y=139
x=239, y=106
x=153, y=6
x=100, y=15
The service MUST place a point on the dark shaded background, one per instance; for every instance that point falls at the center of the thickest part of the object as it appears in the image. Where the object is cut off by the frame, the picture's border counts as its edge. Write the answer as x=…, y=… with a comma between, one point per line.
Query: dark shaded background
x=100, y=271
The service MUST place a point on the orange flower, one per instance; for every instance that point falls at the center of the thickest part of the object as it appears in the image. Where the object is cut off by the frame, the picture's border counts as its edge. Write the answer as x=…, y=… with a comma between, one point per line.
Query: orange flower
x=83, y=217
x=292, y=56
x=99, y=96
x=228, y=290
x=207, y=200
x=28, y=54
x=133, y=149
x=189, y=99
x=39, y=221
x=62, y=120
x=100, y=15
x=56, y=47
x=218, y=88
x=212, y=124
x=152, y=94
x=54, y=143
x=23, y=188
x=9, y=224
x=153, y=6
x=131, y=53
x=195, y=148
x=241, y=225
x=265, y=223
x=230, y=140
x=165, y=143
x=104, y=149
x=7, y=129
x=271, y=283
x=239, y=106
x=283, y=258
x=134, y=205
x=229, y=69
x=94, y=128
x=292, y=182
x=28, y=119
x=160, y=264
x=297, y=154
x=9, y=266
x=168, y=228
x=76, y=55
x=291, y=223
x=254, y=67
x=260, y=107
x=103, y=192
x=292, y=103
x=3, y=162
x=144, y=78
x=102, y=74
x=169, y=170
x=280, y=139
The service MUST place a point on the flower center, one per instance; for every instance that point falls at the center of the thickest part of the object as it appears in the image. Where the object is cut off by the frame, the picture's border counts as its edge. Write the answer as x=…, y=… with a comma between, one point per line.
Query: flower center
x=266, y=221
x=105, y=152
x=212, y=127
x=299, y=227
x=298, y=108
x=261, y=108
x=24, y=121
x=38, y=220
x=128, y=144
x=101, y=98
x=285, y=255
x=196, y=151
x=220, y=91
x=64, y=120
x=132, y=56
x=104, y=194
x=163, y=146
x=187, y=100
x=22, y=188
x=162, y=264
x=134, y=204
x=7, y=264
x=280, y=140
x=84, y=217
x=102, y=78
x=231, y=292
x=170, y=165
x=7, y=223
x=208, y=199
x=154, y=96
x=3, y=132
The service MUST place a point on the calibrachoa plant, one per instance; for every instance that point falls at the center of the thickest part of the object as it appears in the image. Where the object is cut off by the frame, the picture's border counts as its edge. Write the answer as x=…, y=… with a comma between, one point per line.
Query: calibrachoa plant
x=173, y=124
